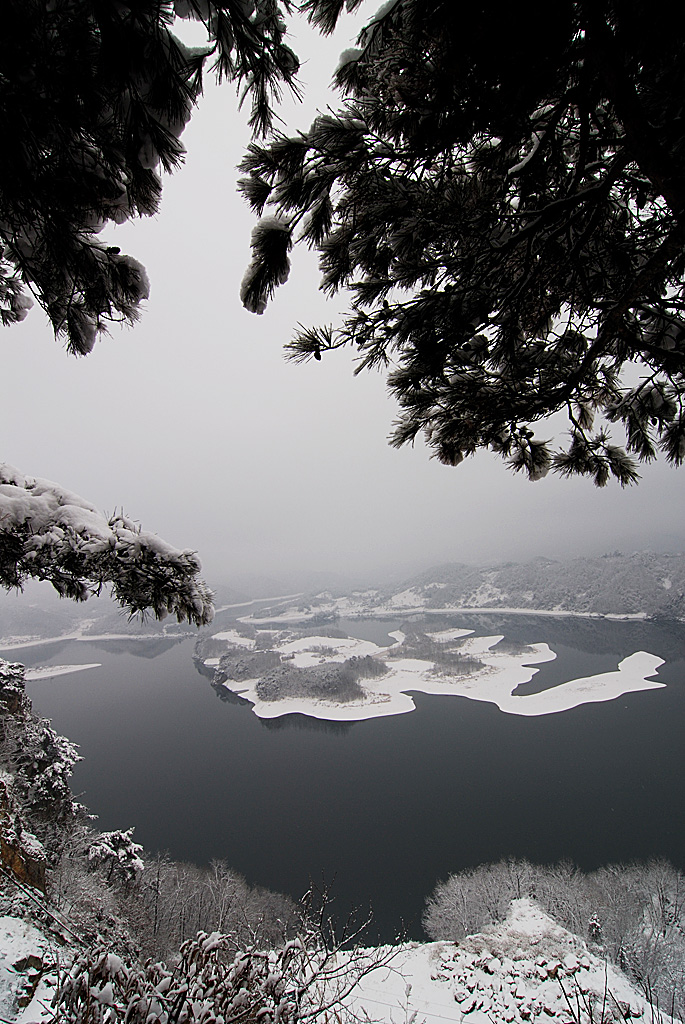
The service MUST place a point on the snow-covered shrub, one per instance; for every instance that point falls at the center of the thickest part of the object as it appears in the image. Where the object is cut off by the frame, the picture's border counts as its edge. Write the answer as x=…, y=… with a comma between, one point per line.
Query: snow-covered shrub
x=118, y=854
x=300, y=980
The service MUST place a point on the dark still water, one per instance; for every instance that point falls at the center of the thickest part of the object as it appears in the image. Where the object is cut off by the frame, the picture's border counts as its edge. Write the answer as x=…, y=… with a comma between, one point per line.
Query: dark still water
x=381, y=809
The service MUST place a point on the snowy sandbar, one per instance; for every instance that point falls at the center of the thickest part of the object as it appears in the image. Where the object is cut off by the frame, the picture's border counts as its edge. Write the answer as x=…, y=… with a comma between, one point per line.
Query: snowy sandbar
x=50, y=671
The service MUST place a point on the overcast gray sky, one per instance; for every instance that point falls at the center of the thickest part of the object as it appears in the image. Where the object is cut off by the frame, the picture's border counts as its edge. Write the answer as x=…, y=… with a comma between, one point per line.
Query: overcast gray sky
x=194, y=423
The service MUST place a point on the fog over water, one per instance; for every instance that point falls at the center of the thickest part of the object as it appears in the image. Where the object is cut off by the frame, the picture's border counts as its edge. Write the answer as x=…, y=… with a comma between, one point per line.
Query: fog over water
x=379, y=809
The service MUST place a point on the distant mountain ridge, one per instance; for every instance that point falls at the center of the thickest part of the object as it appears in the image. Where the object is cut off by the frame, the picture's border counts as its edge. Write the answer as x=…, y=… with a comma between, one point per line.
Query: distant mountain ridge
x=613, y=584
x=642, y=584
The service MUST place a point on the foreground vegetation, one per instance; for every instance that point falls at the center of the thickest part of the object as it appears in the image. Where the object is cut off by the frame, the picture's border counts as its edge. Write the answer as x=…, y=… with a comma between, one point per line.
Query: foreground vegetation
x=150, y=939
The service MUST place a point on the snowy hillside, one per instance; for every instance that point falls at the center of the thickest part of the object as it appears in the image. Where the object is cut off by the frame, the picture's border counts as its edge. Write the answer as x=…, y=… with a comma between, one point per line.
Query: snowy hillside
x=526, y=969
x=29, y=961
x=638, y=585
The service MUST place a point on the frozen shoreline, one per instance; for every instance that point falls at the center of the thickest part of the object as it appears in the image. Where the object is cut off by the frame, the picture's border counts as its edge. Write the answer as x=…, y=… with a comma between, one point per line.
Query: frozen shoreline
x=17, y=643
x=292, y=618
x=48, y=671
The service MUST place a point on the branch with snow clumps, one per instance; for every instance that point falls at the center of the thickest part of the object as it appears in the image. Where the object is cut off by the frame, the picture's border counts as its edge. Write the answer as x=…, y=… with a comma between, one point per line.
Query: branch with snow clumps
x=49, y=533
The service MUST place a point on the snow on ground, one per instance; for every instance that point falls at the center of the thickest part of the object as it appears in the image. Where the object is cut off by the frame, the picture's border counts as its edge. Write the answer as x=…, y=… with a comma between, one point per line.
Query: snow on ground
x=379, y=701
x=447, y=635
x=314, y=650
x=17, y=642
x=406, y=599
x=631, y=676
x=256, y=600
x=25, y=952
x=286, y=618
x=524, y=970
x=351, y=610
x=521, y=970
x=48, y=671
x=11, y=643
x=234, y=637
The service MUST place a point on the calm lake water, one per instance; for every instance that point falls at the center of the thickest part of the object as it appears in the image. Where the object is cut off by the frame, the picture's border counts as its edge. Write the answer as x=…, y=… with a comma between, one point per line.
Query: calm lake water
x=382, y=809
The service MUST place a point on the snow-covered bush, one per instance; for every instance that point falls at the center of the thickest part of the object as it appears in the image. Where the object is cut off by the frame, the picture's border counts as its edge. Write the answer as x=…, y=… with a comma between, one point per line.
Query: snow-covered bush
x=303, y=979
x=117, y=853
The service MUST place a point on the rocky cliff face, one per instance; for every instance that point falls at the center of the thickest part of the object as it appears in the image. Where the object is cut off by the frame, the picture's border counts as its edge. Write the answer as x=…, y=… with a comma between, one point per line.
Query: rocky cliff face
x=35, y=800
x=21, y=854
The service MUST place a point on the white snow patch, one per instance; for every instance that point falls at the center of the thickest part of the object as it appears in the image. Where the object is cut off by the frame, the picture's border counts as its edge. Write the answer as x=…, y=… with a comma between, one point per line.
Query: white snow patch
x=517, y=970
x=446, y=635
x=11, y=643
x=255, y=600
x=50, y=671
x=234, y=638
x=406, y=599
x=18, y=940
x=317, y=650
x=351, y=609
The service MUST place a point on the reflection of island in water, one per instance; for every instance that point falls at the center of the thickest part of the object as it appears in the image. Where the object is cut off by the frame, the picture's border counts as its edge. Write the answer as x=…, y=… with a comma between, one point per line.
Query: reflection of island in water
x=289, y=672
x=138, y=646
x=305, y=723
x=37, y=652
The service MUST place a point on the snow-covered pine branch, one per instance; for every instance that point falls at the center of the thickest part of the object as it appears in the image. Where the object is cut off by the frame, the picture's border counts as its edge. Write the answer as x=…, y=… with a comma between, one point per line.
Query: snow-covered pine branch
x=270, y=265
x=96, y=100
x=48, y=533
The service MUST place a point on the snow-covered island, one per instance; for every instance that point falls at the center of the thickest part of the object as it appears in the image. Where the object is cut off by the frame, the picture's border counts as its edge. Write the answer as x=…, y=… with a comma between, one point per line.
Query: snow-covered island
x=342, y=678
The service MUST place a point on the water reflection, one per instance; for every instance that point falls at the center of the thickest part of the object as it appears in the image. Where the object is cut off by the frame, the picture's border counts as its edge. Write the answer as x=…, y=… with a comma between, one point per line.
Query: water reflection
x=306, y=723
x=152, y=648
x=228, y=696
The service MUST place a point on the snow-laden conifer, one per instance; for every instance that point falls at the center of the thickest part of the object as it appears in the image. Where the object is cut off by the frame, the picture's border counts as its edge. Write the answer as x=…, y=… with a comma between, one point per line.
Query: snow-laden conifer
x=48, y=533
x=502, y=192
x=93, y=104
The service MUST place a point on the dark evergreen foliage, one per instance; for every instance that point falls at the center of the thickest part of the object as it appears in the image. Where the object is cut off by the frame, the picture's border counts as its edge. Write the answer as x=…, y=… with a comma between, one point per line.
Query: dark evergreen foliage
x=503, y=192
x=93, y=99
